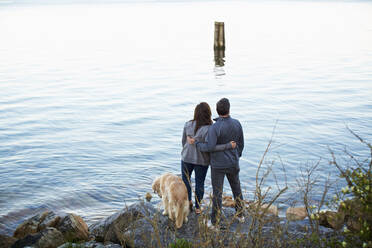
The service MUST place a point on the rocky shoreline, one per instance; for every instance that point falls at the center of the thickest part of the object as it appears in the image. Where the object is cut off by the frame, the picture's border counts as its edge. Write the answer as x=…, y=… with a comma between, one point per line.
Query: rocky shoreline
x=143, y=225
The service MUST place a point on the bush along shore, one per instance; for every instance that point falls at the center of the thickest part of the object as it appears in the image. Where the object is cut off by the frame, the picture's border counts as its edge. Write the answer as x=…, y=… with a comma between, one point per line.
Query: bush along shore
x=343, y=221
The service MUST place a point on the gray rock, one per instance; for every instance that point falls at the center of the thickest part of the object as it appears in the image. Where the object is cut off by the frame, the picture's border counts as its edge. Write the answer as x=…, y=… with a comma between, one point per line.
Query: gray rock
x=29, y=226
x=36, y=224
x=90, y=244
x=353, y=210
x=331, y=219
x=141, y=225
x=148, y=196
x=73, y=228
x=6, y=241
x=94, y=244
x=296, y=213
x=112, y=246
x=109, y=229
x=71, y=245
x=48, y=238
x=50, y=220
x=156, y=231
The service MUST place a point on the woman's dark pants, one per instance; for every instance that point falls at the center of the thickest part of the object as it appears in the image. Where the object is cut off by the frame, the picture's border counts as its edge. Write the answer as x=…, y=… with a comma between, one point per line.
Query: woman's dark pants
x=200, y=174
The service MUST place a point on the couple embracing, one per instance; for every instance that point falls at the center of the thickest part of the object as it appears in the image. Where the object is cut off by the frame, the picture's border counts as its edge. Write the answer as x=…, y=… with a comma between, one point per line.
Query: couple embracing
x=219, y=144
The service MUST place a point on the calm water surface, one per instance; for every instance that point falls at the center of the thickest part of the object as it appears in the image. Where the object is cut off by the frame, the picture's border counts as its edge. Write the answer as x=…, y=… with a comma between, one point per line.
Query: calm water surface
x=93, y=97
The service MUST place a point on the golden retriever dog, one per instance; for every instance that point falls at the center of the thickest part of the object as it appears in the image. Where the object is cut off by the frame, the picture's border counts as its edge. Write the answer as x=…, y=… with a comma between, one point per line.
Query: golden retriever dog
x=173, y=192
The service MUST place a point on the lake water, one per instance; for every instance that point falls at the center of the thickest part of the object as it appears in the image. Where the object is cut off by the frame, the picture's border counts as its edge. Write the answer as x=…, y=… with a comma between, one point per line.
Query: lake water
x=93, y=96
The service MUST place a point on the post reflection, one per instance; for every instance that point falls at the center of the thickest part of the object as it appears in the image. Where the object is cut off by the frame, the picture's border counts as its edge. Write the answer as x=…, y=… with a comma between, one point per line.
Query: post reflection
x=219, y=57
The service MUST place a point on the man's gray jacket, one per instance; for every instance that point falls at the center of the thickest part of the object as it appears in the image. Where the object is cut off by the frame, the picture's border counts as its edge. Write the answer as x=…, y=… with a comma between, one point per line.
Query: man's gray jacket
x=224, y=130
x=189, y=152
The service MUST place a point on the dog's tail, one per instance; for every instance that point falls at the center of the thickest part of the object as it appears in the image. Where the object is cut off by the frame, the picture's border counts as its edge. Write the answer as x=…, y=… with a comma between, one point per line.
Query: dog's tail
x=182, y=210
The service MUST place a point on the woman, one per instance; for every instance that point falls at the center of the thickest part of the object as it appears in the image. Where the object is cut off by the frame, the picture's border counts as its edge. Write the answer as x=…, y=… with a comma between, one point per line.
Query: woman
x=193, y=159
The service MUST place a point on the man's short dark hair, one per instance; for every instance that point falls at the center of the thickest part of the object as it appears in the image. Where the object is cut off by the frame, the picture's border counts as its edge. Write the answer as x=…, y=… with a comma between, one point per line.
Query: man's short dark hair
x=223, y=106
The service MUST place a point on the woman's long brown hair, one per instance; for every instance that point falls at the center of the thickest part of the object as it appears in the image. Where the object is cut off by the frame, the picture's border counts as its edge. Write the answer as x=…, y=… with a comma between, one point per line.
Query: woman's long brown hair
x=202, y=115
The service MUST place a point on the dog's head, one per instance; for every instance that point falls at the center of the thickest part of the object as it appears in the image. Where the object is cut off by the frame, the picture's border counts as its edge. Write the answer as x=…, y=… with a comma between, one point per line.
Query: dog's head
x=156, y=186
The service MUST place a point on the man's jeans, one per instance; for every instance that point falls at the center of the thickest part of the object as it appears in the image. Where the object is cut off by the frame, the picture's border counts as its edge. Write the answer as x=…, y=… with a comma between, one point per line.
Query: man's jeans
x=200, y=173
x=218, y=175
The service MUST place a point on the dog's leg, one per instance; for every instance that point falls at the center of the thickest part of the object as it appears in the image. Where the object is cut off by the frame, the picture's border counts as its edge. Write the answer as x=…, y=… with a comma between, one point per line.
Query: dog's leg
x=186, y=210
x=165, y=204
x=171, y=210
x=179, y=214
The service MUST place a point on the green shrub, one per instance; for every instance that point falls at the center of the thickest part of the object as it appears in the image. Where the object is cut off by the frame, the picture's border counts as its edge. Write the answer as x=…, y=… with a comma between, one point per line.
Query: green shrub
x=181, y=243
x=357, y=206
x=73, y=245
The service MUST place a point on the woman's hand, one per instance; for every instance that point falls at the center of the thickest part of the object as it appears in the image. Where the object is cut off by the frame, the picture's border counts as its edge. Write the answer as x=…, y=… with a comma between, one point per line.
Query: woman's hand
x=190, y=140
x=233, y=144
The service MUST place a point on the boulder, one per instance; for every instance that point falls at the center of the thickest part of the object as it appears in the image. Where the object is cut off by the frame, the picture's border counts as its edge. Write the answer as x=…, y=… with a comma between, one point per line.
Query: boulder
x=270, y=210
x=6, y=241
x=29, y=226
x=353, y=224
x=155, y=232
x=228, y=201
x=109, y=228
x=331, y=219
x=48, y=238
x=143, y=225
x=148, y=196
x=296, y=213
x=73, y=228
x=36, y=223
x=50, y=220
x=355, y=214
x=90, y=244
x=266, y=209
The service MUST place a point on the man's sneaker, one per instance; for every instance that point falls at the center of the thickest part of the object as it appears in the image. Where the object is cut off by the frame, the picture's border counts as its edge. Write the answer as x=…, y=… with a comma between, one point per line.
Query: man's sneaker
x=241, y=219
x=212, y=227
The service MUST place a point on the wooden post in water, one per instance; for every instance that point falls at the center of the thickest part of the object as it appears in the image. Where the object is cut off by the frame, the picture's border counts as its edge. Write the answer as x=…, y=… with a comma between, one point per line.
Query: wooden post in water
x=219, y=43
x=219, y=35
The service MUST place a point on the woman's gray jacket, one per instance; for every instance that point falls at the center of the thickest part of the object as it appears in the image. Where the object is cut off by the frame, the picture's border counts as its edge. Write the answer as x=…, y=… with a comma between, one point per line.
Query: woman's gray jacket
x=189, y=152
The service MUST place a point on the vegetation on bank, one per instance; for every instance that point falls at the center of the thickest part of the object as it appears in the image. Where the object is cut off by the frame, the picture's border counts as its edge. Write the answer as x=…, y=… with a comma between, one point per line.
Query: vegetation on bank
x=349, y=212
x=355, y=200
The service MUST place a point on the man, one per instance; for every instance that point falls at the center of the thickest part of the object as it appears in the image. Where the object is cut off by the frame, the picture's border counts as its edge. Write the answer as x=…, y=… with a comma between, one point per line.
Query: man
x=225, y=162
